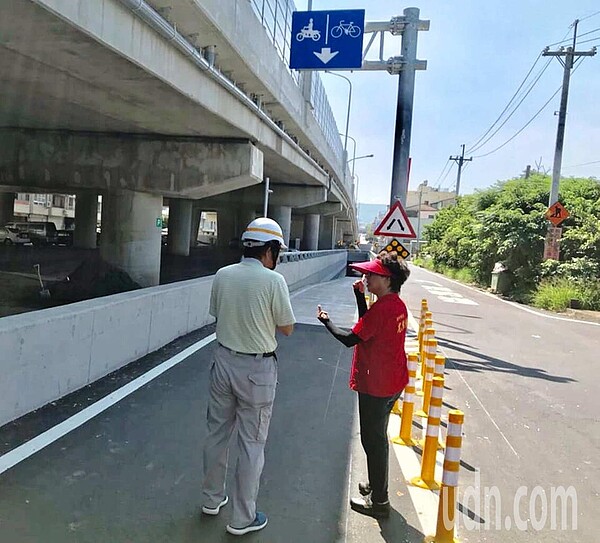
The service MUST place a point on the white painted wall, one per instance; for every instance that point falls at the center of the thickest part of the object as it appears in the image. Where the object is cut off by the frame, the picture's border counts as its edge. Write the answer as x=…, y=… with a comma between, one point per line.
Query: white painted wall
x=47, y=354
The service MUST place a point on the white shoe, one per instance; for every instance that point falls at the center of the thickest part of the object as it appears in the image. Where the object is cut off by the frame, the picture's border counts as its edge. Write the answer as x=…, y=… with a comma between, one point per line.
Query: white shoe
x=215, y=510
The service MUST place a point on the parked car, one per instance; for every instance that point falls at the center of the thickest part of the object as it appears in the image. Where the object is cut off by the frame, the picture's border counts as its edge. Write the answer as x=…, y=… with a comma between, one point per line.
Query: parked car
x=42, y=233
x=64, y=237
x=12, y=236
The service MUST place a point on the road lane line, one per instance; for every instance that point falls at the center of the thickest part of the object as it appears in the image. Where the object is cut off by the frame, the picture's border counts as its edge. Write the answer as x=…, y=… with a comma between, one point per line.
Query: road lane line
x=36, y=444
x=415, y=326
x=514, y=304
x=481, y=404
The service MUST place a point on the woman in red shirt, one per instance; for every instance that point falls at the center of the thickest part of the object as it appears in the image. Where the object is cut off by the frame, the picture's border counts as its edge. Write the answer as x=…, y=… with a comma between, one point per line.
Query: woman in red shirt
x=379, y=371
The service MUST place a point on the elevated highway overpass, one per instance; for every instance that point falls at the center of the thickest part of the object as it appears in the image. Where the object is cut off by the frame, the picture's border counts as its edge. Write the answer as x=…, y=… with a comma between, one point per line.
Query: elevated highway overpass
x=185, y=100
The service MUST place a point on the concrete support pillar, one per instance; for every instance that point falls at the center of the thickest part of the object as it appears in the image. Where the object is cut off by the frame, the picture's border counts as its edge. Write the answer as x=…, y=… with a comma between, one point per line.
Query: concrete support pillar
x=327, y=233
x=7, y=207
x=86, y=216
x=339, y=231
x=283, y=216
x=226, y=227
x=310, y=239
x=180, y=226
x=131, y=239
x=196, y=217
x=245, y=217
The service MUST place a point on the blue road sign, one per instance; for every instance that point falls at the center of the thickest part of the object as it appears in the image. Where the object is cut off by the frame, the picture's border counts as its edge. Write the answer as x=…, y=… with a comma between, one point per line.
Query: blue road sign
x=325, y=40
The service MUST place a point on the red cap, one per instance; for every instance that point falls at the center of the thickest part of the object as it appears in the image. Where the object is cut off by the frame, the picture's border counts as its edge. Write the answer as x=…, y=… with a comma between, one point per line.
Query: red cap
x=372, y=266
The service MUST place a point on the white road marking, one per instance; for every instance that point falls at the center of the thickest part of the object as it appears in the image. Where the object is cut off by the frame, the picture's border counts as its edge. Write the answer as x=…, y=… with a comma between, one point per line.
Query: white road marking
x=445, y=294
x=514, y=304
x=36, y=444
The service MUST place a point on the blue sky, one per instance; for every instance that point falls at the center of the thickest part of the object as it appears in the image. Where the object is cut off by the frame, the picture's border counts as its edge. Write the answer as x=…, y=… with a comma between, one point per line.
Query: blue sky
x=478, y=53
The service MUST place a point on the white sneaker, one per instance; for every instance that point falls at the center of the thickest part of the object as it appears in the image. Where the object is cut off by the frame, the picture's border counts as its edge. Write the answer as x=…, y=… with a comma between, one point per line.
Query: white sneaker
x=215, y=510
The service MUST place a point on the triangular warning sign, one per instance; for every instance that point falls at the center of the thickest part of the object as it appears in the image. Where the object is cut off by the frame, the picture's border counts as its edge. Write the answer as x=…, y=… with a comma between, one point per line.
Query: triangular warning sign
x=395, y=224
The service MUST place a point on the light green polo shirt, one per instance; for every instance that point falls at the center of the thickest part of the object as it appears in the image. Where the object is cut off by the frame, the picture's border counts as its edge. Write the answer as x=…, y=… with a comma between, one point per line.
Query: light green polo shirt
x=249, y=301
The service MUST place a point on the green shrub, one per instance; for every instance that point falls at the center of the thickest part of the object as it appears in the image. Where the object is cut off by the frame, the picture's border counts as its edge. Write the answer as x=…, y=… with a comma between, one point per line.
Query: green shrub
x=556, y=294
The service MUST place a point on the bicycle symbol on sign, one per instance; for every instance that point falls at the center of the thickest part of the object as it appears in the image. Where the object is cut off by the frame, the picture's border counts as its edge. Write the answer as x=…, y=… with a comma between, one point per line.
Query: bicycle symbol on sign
x=350, y=29
x=308, y=32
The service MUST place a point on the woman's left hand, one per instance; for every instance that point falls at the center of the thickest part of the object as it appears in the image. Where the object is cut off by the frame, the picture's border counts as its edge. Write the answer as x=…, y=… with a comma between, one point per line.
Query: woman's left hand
x=323, y=316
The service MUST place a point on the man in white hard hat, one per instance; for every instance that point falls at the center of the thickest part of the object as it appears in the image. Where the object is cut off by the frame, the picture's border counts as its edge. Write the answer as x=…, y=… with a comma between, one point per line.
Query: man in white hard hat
x=250, y=302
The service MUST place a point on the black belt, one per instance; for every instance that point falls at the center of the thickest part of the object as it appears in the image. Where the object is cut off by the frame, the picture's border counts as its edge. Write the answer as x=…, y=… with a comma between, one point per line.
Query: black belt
x=264, y=355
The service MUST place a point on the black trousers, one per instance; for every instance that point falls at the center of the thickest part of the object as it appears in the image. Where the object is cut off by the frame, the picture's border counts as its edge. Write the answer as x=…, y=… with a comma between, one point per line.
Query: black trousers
x=374, y=415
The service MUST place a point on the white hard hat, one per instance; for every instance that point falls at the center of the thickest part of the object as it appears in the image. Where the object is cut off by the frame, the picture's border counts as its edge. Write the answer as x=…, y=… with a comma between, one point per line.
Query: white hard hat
x=261, y=231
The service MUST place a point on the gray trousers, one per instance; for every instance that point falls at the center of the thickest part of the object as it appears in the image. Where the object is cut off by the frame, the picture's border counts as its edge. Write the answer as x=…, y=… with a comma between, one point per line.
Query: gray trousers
x=242, y=391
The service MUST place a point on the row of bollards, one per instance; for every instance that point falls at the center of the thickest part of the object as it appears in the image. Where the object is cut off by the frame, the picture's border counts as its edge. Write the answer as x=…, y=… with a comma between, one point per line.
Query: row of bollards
x=431, y=391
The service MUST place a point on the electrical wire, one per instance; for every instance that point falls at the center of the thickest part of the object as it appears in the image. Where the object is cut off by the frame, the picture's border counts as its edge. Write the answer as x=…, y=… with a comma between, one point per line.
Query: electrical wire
x=447, y=173
x=528, y=92
x=588, y=41
x=528, y=122
x=507, y=105
x=583, y=164
x=441, y=173
x=567, y=40
x=589, y=16
x=521, y=130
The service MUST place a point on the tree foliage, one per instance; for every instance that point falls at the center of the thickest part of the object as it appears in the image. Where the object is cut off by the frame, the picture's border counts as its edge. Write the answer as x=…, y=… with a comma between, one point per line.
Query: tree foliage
x=506, y=223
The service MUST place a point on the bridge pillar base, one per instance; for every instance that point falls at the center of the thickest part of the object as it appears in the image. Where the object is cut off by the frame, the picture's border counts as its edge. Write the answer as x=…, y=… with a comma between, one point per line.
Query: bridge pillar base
x=131, y=234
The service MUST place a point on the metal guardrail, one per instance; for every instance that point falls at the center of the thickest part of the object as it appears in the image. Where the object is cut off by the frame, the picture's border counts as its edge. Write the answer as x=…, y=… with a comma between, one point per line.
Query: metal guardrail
x=297, y=256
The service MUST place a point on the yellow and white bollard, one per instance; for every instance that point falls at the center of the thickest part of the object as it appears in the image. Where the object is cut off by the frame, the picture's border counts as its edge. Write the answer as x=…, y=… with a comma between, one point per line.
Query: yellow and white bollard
x=430, y=351
x=427, y=477
x=424, y=310
x=408, y=406
x=440, y=365
x=428, y=333
x=446, y=518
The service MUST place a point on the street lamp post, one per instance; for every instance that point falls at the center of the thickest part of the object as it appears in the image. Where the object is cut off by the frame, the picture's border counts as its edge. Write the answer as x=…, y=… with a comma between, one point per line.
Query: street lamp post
x=348, y=112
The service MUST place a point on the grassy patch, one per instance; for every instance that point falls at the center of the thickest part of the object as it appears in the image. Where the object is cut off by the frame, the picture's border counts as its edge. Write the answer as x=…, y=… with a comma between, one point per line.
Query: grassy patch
x=464, y=275
x=556, y=294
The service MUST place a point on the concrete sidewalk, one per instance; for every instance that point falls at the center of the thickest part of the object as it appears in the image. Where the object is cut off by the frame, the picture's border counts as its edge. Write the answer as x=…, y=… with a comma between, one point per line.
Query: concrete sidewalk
x=133, y=473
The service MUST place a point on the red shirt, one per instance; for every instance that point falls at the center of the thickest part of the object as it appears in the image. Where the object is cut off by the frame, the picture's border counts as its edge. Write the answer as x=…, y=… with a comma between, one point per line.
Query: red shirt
x=379, y=362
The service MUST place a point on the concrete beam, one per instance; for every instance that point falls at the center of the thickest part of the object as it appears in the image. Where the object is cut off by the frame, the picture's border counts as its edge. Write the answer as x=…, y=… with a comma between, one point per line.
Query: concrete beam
x=293, y=196
x=185, y=167
x=321, y=209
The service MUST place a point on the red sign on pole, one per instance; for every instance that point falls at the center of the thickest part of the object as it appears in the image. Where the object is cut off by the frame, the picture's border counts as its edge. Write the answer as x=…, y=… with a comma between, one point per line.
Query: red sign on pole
x=552, y=243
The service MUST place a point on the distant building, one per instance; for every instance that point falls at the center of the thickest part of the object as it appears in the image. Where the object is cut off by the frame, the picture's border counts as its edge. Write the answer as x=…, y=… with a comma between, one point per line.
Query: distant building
x=56, y=208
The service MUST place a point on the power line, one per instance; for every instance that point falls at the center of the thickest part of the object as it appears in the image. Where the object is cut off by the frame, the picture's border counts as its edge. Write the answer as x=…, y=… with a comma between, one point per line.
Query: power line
x=441, y=173
x=528, y=123
x=509, y=103
x=589, y=16
x=447, y=173
x=583, y=164
x=569, y=39
x=531, y=87
x=588, y=41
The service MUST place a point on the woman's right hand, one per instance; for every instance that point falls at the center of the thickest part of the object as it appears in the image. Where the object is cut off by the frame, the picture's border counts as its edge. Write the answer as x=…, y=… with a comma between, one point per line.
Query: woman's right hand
x=359, y=285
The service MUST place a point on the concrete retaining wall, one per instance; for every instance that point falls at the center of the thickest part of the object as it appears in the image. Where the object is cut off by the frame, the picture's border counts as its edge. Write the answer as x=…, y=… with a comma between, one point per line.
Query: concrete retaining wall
x=47, y=354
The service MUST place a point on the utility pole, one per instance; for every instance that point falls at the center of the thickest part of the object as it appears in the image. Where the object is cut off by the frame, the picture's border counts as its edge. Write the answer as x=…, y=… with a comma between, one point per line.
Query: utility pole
x=460, y=160
x=404, y=109
x=570, y=56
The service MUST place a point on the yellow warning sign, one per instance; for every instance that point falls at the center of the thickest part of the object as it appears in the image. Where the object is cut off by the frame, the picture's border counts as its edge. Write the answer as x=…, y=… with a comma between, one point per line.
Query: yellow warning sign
x=395, y=245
